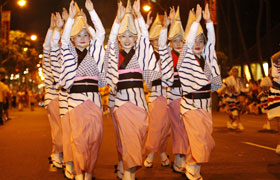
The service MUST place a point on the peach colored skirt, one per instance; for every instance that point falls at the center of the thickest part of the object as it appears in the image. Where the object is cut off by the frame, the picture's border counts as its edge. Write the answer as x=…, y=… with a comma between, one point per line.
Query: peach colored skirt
x=199, y=128
x=55, y=124
x=159, y=126
x=66, y=134
x=132, y=122
x=118, y=139
x=179, y=134
x=86, y=135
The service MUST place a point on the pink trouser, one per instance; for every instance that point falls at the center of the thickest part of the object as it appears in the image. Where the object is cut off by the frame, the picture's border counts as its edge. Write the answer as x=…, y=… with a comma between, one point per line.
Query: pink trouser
x=179, y=134
x=66, y=134
x=132, y=122
x=86, y=125
x=198, y=124
x=118, y=139
x=159, y=126
x=55, y=124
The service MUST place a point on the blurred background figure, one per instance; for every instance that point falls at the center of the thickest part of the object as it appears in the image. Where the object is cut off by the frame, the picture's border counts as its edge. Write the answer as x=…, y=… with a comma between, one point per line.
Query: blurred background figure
x=32, y=99
x=232, y=88
x=21, y=98
x=265, y=85
x=7, y=97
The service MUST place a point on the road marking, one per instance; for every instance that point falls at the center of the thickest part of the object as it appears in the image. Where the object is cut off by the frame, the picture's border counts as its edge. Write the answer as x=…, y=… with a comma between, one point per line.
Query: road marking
x=260, y=146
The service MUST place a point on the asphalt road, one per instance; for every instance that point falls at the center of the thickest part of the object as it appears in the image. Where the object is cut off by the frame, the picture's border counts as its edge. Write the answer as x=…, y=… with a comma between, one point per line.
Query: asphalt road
x=25, y=145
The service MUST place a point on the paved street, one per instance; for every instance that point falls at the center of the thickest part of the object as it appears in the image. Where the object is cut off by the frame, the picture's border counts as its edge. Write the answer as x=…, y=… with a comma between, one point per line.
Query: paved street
x=25, y=145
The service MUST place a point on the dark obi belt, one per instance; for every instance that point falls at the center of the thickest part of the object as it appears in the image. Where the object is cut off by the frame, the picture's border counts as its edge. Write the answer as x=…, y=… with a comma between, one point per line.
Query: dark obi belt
x=176, y=82
x=156, y=82
x=134, y=80
x=275, y=85
x=200, y=95
x=85, y=85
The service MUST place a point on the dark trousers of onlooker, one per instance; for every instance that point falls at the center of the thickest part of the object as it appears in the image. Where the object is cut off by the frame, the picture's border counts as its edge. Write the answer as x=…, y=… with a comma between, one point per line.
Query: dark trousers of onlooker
x=1, y=113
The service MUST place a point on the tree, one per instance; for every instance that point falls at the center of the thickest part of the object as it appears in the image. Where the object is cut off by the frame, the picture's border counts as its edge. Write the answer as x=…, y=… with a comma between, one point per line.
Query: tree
x=20, y=54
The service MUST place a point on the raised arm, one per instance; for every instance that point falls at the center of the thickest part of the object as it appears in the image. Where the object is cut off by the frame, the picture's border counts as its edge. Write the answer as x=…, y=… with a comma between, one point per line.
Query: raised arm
x=167, y=70
x=46, y=53
x=100, y=31
x=55, y=49
x=143, y=28
x=69, y=64
x=192, y=33
x=209, y=26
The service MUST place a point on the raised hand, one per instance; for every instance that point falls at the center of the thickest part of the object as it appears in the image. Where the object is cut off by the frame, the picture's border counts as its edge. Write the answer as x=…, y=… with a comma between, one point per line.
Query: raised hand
x=65, y=14
x=206, y=14
x=52, y=25
x=59, y=21
x=72, y=10
x=149, y=19
x=166, y=20
x=89, y=5
x=136, y=7
x=171, y=14
x=121, y=12
x=198, y=13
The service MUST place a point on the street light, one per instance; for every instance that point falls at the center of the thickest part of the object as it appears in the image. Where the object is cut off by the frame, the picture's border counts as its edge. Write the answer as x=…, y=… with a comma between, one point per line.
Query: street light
x=21, y=3
x=146, y=8
x=33, y=37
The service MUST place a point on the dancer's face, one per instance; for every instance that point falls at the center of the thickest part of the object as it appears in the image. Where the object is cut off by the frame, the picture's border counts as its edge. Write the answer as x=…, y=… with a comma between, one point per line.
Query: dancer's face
x=198, y=45
x=177, y=43
x=81, y=41
x=127, y=40
x=234, y=72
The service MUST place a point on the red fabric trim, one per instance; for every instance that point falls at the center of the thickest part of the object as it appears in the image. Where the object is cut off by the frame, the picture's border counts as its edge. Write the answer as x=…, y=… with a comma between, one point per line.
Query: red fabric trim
x=175, y=59
x=121, y=58
x=273, y=99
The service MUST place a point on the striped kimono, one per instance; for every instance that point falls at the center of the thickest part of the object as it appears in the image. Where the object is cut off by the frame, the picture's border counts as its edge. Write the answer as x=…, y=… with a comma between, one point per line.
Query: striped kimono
x=82, y=80
x=197, y=83
x=51, y=97
x=130, y=109
x=174, y=94
x=56, y=62
x=274, y=93
x=159, y=125
x=265, y=85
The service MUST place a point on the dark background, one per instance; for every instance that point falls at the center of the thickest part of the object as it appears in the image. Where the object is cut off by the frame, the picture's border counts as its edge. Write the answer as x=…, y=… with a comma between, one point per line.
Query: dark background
x=35, y=18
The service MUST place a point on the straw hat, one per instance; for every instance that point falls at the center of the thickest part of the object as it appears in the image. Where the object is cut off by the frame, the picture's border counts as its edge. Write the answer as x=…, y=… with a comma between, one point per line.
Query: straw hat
x=127, y=23
x=192, y=19
x=176, y=27
x=79, y=23
x=155, y=28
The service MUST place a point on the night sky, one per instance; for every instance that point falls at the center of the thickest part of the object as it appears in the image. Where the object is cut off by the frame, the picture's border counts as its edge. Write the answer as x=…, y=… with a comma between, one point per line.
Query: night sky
x=35, y=17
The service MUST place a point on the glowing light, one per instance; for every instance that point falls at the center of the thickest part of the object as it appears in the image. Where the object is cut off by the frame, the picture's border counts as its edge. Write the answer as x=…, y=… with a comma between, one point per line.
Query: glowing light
x=247, y=72
x=146, y=8
x=33, y=37
x=21, y=3
x=38, y=65
x=40, y=56
x=25, y=49
x=265, y=67
x=17, y=76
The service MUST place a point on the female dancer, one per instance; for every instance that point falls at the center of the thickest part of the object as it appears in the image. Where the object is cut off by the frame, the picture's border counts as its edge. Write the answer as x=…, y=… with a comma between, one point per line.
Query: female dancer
x=274, y=94
x=83, y=72
x=174, y=93
x=56, y=58
x=159, y=125
x=199, y=74
x=51, y=100
x=128, y=66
